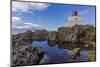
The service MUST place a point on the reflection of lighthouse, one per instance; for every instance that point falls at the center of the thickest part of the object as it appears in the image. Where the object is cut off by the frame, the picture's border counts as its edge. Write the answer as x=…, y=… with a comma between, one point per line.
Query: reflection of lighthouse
x=74, y=19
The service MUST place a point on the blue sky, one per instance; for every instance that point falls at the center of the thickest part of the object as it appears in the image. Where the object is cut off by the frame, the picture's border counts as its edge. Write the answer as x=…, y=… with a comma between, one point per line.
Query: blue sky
x=47, y=16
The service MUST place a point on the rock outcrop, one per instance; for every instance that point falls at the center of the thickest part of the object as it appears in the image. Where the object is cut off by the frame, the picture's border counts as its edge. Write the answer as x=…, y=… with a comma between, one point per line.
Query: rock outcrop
x=77, y=33
x=77, y=36
x=23, y=53
x=67, y=34
x=52, y=36
x=40, y=35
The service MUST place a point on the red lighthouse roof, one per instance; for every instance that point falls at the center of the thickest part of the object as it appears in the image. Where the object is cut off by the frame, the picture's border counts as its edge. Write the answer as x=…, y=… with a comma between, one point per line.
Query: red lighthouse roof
x=74, y=13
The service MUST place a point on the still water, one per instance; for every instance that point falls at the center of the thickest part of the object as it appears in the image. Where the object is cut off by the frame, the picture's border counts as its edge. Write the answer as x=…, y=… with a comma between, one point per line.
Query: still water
x=54, y=54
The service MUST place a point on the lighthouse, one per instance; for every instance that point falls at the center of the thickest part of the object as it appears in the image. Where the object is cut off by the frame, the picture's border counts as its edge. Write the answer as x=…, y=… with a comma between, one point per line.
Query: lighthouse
x=74, y=19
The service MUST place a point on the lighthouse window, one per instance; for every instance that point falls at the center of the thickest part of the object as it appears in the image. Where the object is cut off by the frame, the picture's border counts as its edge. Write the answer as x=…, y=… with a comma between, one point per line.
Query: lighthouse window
x=76, y=18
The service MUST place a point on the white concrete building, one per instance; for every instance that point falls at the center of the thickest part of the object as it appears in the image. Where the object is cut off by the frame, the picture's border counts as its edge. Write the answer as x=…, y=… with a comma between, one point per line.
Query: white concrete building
x=74, y=19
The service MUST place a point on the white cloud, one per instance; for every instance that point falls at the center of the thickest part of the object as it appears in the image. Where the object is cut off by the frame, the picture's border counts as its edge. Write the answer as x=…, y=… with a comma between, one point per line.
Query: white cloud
x=39, y=6
x=28, y=6
x=17, y=21
x=19, y=26
x=15, y=18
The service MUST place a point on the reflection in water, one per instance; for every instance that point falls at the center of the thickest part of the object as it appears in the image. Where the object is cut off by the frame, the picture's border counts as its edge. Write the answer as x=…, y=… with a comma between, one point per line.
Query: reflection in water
x=65, y=45
x=57, y=52
x=51, y=43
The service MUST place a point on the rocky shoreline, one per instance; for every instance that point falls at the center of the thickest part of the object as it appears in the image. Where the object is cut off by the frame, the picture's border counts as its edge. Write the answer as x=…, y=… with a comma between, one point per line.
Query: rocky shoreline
x=77, y=33
x=78, y=36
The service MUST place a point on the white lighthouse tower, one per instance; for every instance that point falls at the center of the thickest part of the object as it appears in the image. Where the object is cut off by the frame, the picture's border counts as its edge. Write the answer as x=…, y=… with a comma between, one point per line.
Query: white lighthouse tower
x=74, y=19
